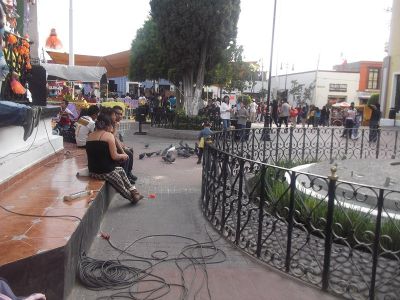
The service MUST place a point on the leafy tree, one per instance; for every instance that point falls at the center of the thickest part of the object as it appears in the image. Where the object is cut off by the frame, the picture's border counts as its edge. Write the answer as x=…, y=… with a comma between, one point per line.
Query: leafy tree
x=245, y=99
x=147, y=59
x=194, y=35
x=308, y=92
x=296, y=90
x=232, y=72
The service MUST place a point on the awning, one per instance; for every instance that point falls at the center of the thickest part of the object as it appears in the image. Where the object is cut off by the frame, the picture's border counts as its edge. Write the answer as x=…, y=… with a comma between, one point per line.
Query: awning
x=341, y=104
x=364, y=95
x=117, y=64
x=75, y=73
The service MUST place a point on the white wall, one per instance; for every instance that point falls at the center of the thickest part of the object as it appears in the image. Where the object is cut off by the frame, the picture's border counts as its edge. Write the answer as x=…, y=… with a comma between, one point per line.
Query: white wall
x=321, y=93
x=17, y=155
x=278, y=82
x=325, y=78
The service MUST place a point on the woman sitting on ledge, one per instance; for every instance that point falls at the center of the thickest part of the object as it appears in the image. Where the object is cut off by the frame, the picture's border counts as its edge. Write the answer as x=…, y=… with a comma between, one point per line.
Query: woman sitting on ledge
x=103, y=159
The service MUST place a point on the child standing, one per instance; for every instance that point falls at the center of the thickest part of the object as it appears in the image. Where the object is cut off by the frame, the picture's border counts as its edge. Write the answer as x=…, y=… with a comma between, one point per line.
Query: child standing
x=204, y=133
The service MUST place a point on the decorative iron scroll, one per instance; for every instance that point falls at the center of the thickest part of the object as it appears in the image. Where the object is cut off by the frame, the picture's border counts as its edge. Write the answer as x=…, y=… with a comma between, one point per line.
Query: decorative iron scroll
x=343, y=237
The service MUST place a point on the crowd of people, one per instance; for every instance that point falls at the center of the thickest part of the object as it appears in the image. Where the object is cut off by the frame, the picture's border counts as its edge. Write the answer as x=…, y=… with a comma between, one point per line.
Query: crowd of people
x=97, y=130
x=281, y=113
x=242, y=115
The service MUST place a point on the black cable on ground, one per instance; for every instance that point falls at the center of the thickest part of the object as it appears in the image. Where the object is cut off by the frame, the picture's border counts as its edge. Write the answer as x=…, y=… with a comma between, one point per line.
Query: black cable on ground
x=125, y=275
x=38, y=216
x=118, y=275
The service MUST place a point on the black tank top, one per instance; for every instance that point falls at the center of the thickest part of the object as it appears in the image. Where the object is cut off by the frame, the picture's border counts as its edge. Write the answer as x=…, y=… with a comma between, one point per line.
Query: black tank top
x=99, y=157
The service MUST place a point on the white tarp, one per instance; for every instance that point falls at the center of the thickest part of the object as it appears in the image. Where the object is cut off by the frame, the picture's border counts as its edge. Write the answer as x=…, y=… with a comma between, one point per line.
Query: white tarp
x=75, y=73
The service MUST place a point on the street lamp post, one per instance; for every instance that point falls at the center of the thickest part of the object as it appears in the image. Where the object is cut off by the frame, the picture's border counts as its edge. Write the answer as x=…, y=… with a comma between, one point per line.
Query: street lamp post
x=71, y=34
x=266, y=132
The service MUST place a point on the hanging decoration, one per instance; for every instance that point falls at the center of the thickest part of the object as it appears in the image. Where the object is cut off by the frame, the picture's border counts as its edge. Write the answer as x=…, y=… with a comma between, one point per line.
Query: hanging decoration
x=15, y=64
x=53, y=42
x=10, y=7
x=16, y=86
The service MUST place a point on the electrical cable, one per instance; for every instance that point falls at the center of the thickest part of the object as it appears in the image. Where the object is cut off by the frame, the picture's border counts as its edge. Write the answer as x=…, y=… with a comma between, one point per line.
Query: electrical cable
x=23, y=151
x=48, y=137
x=38, y=216
x=124, y=275
x=115, y=274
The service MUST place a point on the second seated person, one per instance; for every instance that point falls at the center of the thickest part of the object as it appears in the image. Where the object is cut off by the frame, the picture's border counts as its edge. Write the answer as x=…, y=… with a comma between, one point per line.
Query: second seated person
x=104, y=160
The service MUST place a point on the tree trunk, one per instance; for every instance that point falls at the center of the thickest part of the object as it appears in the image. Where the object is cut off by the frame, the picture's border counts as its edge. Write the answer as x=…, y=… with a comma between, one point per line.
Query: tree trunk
x=194, y=109
x=188, y=90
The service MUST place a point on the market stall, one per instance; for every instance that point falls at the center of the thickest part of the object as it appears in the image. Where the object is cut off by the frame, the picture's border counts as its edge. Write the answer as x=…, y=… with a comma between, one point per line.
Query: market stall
x=74, y=82
x=338, y=113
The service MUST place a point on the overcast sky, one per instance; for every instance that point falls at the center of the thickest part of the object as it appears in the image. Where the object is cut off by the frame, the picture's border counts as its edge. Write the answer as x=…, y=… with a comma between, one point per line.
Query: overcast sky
x=305, y=30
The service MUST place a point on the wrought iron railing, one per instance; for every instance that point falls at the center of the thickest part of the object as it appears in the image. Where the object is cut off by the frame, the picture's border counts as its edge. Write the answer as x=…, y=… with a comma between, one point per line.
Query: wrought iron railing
x=341, y=236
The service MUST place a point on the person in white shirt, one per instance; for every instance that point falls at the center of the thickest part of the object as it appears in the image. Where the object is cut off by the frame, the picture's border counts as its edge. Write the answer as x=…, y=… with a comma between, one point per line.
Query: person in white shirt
x=349, y=121
x=86, y=125
x=253, y=111
x=225, y=113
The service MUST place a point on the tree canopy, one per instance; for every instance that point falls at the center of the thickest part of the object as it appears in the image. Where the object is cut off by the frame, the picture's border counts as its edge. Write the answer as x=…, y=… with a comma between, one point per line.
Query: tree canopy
x=231, y=72
x=193, y=36
x=147, y=60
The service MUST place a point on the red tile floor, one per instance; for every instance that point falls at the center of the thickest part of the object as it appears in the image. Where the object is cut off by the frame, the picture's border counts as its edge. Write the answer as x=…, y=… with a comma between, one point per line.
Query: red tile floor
x=40, y=192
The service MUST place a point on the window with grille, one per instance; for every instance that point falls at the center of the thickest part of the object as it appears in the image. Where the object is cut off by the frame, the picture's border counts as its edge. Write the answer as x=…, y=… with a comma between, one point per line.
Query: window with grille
x=373, y=79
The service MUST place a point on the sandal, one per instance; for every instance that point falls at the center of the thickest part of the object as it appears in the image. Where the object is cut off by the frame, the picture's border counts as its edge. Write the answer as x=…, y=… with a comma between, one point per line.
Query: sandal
x=136, y=196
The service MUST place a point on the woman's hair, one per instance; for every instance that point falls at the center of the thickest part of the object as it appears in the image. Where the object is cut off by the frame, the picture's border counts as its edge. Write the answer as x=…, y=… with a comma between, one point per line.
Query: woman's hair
x=103, y=122
x=107, y=111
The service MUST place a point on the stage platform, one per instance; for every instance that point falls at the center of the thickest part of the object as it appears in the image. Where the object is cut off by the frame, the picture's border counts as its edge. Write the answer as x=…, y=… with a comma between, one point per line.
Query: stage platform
x=40, y=254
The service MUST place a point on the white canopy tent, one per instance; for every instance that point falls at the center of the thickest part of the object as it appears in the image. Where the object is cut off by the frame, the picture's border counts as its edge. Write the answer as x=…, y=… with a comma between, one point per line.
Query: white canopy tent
x=75, y=73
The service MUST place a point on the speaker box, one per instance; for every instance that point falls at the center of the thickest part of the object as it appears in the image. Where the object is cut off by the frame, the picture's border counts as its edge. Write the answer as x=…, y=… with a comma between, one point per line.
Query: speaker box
x=37, y=85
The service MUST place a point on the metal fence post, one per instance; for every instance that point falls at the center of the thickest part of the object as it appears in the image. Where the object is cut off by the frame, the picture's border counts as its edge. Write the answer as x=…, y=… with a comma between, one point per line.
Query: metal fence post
x=395, y=145
x=224, y=140
x=376, y=244
x=290, y=143
x=242, y=137
x=252, y=143
x=239, y=202
x=304, y=145
x=205, y=172
x=263, y=195
x=210, y=175
x=290, y=220
x=277, y=145
x=346, y=145
x=362, y=142
x=328, y=229
x=224, y=179
x=378, y=144
x=317, y=147
x=264, y=149
x=331, y=149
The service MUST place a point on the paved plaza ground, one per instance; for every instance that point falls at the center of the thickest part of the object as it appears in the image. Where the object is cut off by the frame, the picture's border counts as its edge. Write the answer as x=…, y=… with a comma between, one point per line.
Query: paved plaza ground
x=176, y=210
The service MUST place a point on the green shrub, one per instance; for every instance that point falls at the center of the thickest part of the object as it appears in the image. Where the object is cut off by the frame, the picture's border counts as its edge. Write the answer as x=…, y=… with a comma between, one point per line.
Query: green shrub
x=353, y=226
x=374, y=99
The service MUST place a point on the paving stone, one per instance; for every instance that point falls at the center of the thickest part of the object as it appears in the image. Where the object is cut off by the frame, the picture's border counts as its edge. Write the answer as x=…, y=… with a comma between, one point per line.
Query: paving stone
x=176, y=210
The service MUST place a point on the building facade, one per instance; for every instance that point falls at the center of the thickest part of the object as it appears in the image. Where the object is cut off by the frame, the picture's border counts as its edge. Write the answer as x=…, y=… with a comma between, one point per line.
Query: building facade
x=326, y=87
x=390, y=97
x=370, y=77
